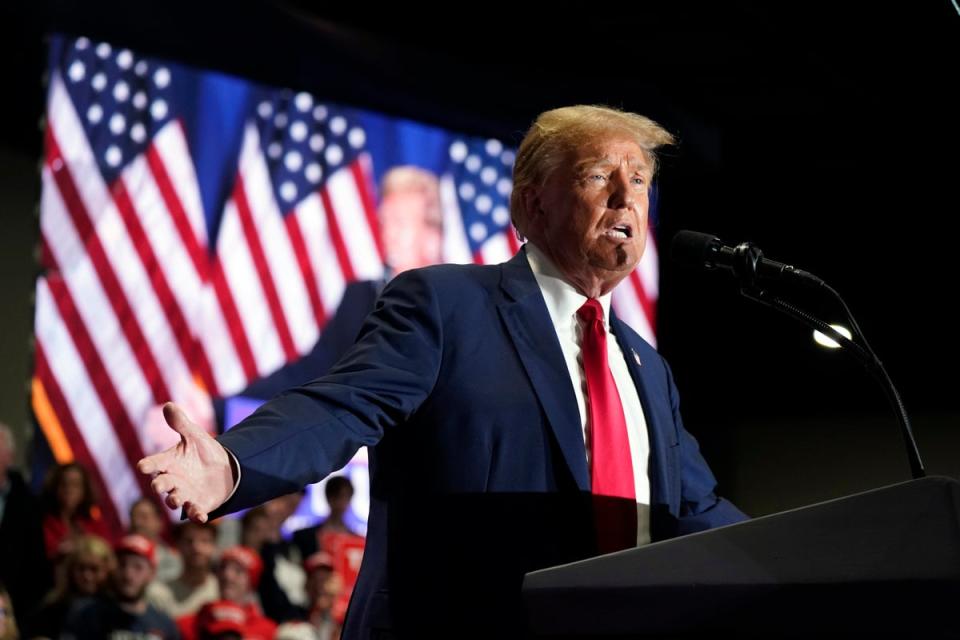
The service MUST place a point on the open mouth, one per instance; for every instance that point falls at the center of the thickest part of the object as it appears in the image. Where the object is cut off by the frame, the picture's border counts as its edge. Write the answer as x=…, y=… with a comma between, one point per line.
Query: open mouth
x=620, y=232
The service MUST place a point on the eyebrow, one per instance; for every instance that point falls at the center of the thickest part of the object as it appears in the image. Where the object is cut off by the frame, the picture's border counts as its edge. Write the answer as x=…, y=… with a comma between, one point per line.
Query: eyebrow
x=641, y=165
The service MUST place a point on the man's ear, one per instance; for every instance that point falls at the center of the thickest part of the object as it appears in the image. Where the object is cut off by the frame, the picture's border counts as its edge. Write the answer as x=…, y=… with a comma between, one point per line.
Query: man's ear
x=532, y=204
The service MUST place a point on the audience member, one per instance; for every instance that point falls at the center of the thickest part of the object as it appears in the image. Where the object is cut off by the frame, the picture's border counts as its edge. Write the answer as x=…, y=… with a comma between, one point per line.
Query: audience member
x=147, y=520
x=123, y=612
x=83, y=574
x=238, y=573
x=68, y=502
x=339, y=493
x=221, y=620
x=23, y=559
x=196, y=585
x=281, y=588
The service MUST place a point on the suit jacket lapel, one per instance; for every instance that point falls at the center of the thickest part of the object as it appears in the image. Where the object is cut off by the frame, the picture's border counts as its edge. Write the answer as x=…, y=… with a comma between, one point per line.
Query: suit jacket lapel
x=525, y=315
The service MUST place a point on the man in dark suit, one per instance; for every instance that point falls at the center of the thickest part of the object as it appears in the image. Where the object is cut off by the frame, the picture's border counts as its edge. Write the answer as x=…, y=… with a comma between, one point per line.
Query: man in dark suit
x=506, y=432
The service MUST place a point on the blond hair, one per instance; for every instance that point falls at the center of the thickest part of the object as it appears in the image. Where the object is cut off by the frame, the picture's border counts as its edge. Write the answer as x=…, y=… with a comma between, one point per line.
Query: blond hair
x=84, y=546
x=556, y=133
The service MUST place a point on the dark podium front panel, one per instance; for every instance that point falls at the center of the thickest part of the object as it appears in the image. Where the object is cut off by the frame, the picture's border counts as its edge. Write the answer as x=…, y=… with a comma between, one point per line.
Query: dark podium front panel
x=883, y=561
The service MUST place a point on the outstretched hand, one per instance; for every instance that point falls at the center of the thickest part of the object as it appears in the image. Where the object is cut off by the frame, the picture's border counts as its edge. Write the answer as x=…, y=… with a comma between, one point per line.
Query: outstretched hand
x=195, y=473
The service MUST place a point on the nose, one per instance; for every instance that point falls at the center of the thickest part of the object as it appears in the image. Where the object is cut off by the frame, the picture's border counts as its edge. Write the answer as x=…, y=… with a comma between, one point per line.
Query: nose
x=622, y=195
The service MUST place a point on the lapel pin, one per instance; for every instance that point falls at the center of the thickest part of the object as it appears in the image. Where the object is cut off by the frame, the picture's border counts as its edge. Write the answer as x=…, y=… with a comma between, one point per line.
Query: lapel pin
x=636, y=358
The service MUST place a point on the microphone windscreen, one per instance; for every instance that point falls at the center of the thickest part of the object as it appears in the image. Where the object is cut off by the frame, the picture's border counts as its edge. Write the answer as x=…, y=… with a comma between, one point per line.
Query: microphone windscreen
x=694, y=249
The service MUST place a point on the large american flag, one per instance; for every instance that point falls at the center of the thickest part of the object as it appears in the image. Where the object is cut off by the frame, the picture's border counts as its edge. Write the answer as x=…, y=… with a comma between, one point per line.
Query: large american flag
x=197, y=230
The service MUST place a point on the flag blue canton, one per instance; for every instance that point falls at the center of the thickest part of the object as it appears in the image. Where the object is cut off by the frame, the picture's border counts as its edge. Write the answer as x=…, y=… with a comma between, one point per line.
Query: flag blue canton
x=304, y=141
x=122, y=100
x=481, y=170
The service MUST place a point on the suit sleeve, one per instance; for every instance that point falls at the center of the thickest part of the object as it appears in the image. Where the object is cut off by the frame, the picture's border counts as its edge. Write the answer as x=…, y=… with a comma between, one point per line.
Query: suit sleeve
x=304, y=434
x=700, y=507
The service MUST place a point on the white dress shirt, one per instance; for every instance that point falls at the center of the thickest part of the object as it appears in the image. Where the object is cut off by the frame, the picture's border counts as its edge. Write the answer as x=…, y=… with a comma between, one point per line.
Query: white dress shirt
x=563, y=301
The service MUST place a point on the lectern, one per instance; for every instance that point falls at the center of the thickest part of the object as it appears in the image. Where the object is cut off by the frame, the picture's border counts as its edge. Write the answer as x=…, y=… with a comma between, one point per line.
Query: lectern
x=883, y=561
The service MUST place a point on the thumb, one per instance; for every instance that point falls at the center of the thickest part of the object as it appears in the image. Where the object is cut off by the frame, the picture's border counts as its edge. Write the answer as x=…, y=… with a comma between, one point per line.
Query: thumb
x=178, y=420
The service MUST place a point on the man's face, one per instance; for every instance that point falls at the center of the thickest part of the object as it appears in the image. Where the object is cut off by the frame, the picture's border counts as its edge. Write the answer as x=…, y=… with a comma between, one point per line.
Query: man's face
x=234, y=581
x=590, y=216
x=145, y=520
x=134, y=573
x=197, y=547
x=316, y=581
x=323, y=591
x=340, y=502
x=257, y=531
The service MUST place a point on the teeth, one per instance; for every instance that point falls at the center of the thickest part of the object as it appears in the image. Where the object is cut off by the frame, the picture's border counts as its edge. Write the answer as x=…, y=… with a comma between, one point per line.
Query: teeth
x=617, y=233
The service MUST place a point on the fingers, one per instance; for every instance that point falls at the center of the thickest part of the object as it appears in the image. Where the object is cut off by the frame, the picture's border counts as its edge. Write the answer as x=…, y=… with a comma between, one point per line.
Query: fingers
x=156, y=463
x=173, y=500
x=163, y=484
x=195, y=513
x=178, y=420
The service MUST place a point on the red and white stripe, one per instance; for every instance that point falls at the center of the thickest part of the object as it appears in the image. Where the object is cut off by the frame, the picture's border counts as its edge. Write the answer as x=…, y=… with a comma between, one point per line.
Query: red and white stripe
x=635, y=299
x=287, y=273
x=66, y=372
x=498, y=248
x=119, y=317
x=310, y=222
x=109, y=307
x=348, y=203
x=168, y=202
x=91, y=211
x=456, y=247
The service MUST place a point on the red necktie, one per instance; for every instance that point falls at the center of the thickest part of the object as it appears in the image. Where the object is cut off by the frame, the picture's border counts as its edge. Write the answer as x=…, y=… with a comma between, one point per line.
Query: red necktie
x=611, y=467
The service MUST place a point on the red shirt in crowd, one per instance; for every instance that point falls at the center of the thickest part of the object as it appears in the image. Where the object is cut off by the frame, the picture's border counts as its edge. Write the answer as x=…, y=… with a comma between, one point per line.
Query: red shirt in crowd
x=56, y=530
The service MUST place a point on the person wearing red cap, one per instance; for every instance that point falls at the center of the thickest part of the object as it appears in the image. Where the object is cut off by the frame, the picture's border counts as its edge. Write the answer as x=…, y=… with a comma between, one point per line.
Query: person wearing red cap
x=220, y=619
x=125, y=609
x=196, y=585
x=237, y=574
x=147, y=520
x=323, y=587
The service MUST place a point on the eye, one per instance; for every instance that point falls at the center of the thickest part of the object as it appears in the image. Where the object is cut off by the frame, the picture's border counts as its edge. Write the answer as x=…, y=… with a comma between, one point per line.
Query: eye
x=639, y=181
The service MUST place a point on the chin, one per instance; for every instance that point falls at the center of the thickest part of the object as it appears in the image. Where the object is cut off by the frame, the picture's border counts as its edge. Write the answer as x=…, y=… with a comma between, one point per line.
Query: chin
x=627, y=257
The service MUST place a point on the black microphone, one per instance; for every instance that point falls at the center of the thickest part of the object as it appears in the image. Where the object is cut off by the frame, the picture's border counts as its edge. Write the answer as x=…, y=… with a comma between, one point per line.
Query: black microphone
x=745, y=260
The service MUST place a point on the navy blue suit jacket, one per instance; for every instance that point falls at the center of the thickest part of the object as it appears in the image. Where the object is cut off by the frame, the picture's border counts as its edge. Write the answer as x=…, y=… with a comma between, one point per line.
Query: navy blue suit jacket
x=458, y=385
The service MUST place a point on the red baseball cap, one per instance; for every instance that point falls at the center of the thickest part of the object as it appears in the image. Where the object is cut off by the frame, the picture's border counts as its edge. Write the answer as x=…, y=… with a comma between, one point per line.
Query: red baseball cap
x=221, y=616
x=137, y=545
x=318, y=560
x=246, y=557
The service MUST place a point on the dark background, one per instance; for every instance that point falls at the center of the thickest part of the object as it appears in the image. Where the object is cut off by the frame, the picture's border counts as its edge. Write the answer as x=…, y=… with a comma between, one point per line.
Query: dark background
x=827, y=135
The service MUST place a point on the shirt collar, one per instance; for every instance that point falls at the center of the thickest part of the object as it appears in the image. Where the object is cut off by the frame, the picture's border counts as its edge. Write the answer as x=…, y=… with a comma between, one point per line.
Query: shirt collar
x=563, y=300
